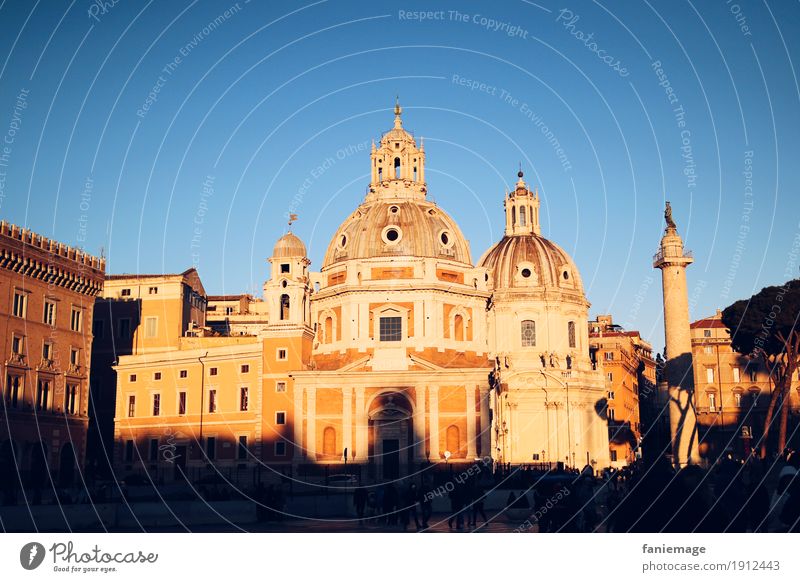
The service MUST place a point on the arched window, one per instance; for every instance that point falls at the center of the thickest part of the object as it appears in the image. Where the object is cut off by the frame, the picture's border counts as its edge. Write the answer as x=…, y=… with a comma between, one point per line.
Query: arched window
x=513, y=216
x=571, y=334
x=453, y=439
x=528, y=333
x=327, y=330
x=458, y=328
x=397, y=168
x=415, y=173
x=380, y=174
x=522, y=216
x=329, y=441
x=284, y=307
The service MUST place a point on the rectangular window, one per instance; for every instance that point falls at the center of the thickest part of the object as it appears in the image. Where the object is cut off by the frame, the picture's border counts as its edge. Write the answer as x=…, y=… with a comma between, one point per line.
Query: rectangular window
x=47, y=351
x=42, y=395
x=181, y=403
x=280, y=449
x=49, y=316
x=710, y=375
x=132, y=378
x=712, y=402
x=245, y=369
x=571, y=334
x=157, y=376
x=737, y=399
x=211, y=448
x=242, y=452
x=131, y=406
x=125, y=293
x=281, y=354
x=608, y=356
x=284, y=267
x=243, y=398
x=76, y=319
x=150, y=327
x=528, y=333
x=20, y=304
x=74, y=357
x=156, y=404
x=610, y=376
x=129, y=451
x=212, y=371
x=184, y=374
x=753, y=374
x=280, y=417
x=610, y=414
x=124, y=328
x=708, y=349
x=154, y=450
x=736, y=375
x=153, y=290
x=280, y=386
x=391, y=329
x=613, y=454
x=212, y=400
x=611, y=395
x=18, y=344
x=71, y=399
x=13, y=390
x=706, y=333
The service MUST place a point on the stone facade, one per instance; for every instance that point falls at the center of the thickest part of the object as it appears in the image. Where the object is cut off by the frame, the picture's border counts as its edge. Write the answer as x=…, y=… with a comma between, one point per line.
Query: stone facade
x=48, y=290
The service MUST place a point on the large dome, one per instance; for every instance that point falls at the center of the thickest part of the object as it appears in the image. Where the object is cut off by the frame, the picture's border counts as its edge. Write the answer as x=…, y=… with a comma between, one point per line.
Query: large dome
x=398, y=227
x=530, y=260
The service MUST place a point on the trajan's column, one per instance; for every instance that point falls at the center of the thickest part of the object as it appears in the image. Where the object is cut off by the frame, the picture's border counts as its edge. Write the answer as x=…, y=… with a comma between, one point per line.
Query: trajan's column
x=672, y=261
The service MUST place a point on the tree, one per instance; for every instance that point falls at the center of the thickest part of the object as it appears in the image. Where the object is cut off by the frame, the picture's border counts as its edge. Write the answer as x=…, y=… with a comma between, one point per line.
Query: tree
x=765, y=328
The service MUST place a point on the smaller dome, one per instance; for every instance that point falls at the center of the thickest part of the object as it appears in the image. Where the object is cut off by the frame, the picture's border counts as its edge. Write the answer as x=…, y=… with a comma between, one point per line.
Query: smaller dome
x=531, y=261
x=289, y=245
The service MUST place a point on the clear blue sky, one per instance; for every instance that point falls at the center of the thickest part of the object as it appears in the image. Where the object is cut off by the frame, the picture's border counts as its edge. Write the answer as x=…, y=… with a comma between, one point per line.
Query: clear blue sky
x=268, y=108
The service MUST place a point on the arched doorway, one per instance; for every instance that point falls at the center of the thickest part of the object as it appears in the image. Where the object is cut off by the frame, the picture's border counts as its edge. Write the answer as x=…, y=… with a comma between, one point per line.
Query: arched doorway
x=66, y=466
x=390, y=425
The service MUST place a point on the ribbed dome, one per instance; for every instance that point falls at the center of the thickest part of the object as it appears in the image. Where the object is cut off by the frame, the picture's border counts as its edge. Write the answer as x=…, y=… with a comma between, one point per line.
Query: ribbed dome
x=530, y=261
x=289, y=246
x=398, y=227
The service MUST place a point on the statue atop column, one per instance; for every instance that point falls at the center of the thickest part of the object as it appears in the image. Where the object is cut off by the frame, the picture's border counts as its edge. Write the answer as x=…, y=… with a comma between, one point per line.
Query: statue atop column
x=668, y=217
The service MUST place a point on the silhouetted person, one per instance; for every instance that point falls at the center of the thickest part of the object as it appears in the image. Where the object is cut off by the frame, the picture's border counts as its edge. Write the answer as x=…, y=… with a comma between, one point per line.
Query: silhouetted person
x=409, y=505
x=425, y=501
x=456, y=507
x=477, y=504
x=390, y=504
x=360, y=503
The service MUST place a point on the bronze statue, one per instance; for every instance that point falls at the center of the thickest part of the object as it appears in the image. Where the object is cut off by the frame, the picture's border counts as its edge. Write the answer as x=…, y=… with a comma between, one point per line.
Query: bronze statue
x=668, y=216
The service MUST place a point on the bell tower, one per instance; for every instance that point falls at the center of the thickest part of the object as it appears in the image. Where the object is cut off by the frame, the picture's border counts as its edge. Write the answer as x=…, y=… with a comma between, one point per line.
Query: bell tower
x=398, y=165
x=522, y=210
x=287, y=290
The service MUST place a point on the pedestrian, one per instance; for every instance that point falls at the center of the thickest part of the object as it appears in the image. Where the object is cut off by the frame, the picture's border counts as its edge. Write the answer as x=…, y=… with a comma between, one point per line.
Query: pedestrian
x=360, y=503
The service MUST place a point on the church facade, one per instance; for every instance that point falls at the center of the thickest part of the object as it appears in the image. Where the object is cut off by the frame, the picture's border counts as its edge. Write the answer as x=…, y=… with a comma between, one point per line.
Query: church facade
x=399, y=351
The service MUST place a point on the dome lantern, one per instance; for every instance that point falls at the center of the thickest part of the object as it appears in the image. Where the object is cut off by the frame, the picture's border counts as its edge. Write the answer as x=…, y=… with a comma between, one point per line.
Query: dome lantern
x=522, y=210
x=397, y=164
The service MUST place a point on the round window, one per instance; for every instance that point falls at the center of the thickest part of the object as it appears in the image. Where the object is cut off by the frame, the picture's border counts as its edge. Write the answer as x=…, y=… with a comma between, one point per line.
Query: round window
x=283, y=283
x=392, y=235
x=566, y=275
x=444, y=238
x=343, y=241
x=393, y=209
x=526, y=273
